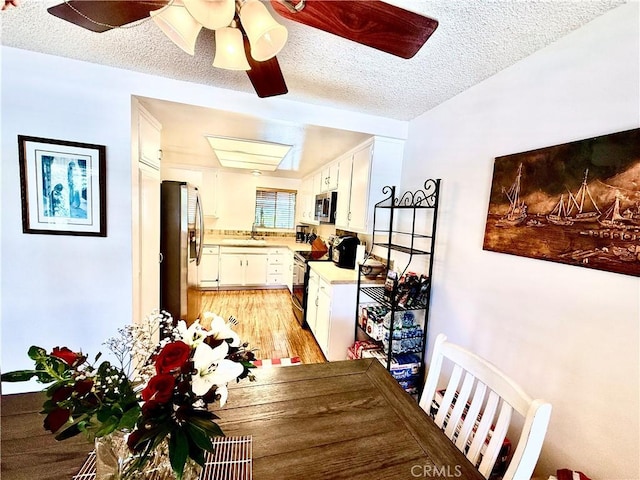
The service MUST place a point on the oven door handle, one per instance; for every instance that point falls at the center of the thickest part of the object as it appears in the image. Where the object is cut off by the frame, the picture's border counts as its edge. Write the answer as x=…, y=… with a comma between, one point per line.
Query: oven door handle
x=296, y=303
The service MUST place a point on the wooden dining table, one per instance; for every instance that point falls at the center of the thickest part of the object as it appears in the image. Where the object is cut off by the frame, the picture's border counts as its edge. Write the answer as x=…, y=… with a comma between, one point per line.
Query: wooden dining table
x=338, y=420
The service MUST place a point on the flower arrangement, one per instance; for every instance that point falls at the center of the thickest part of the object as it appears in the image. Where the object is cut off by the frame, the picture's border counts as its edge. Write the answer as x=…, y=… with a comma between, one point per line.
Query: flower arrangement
x=158, y=390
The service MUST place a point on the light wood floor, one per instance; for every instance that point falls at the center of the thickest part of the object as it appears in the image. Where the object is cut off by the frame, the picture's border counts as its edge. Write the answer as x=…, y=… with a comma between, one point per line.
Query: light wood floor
x=266, y=321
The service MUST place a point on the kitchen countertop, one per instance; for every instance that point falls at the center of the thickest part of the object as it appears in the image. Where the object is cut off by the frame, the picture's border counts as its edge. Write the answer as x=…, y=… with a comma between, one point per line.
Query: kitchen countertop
x=336, y=275
x=288, y=242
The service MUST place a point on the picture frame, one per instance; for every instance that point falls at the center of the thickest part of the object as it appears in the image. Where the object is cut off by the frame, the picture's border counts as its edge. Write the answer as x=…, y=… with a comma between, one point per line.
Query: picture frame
x=576, y=203
x=62, y=186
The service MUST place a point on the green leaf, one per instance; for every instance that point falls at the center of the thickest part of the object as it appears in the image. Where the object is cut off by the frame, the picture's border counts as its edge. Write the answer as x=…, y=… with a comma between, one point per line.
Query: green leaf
x=210, y=428
x=129, y=418
x=207, y=414
x=36, y=353
x=44, y=377
x=18, y=376
x=104, y=413
x=199, y=437
x=108, y=426
x=48, y=405
x=197, y=454
x=178, y=451
x=68, y=432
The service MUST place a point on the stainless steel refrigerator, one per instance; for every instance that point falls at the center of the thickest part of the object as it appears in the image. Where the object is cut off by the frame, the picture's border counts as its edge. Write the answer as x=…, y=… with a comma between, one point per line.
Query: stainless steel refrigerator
x=181, y=238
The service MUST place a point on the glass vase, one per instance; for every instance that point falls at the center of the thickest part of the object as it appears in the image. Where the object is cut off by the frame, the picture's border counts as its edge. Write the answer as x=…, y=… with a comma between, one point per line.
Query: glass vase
x=114, y=460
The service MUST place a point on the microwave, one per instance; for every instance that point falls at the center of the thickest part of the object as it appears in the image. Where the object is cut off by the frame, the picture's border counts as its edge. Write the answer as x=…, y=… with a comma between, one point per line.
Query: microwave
x=325, y=207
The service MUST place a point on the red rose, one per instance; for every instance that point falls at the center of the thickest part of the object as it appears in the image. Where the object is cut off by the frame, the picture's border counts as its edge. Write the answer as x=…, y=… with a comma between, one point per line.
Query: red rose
x=56, y=419
x=67, y=356
x=61, y=394
x=133, y=439
x=83, y=387
x=159, y=389
x=152, y=409
x=172, y=356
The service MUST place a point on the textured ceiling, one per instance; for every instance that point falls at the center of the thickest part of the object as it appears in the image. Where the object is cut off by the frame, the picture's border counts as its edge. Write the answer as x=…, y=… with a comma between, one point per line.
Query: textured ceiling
x=475, y=39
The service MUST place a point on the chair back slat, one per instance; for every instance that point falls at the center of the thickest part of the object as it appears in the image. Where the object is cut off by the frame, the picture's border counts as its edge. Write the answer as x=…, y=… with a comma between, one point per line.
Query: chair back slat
x=476, y=409
x=458, y=407
x=468, y=428
x=498, y=434
x=449, y=397
x=484, y=426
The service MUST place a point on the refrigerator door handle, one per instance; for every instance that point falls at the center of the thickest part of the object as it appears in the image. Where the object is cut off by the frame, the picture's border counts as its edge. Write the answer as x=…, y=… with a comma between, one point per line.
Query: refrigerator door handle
x=200, y=245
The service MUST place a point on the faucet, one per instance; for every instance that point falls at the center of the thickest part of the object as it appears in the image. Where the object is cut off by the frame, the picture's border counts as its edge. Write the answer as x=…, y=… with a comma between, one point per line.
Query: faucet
x=253, y=231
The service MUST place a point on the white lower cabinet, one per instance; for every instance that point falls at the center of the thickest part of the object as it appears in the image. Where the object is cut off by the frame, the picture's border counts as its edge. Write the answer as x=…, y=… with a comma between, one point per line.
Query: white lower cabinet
x=208, y=270
x=278, y=271
x=243, y=266
x=330, y=315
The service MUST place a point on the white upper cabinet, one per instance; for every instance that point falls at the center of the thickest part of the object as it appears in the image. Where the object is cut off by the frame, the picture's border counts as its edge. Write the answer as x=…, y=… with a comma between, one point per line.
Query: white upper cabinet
x=305, y=201
x=317, y=184
x=149, y=139
x=358, y=176
x=362, y=173
x=330, y=177
x=344, y=190
x=359, y=190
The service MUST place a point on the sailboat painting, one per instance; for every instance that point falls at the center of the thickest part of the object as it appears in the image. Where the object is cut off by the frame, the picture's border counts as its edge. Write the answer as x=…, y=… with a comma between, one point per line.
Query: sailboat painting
x=576, y=203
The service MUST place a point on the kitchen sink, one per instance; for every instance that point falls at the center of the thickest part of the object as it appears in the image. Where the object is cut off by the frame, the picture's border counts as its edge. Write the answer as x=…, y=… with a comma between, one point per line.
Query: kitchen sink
x=244, y=241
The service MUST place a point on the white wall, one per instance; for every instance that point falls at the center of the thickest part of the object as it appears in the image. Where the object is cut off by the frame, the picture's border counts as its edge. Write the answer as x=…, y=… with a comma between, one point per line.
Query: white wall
x=63, y=290
x=76, y=291
x=567, y=334
x=237, y=197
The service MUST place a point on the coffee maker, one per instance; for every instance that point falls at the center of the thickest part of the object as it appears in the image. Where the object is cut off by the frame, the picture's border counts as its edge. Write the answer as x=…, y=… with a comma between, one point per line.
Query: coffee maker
x=301, y=233
x=344, y=250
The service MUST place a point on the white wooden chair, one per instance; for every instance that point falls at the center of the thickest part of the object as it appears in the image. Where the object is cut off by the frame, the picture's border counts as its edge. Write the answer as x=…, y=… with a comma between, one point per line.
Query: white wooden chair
x=476, y=408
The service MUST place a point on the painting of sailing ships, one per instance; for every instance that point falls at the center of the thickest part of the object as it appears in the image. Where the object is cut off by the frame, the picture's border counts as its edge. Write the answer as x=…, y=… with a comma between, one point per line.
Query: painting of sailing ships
x=576, y=203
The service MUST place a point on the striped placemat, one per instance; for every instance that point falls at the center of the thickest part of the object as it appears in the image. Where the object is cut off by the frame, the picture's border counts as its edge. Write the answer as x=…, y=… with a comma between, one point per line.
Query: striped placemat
x=230, y=460
x=277, y=362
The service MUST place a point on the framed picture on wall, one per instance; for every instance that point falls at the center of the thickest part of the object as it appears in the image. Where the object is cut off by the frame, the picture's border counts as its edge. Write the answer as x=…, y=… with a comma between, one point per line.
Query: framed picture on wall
x=576, y=203
x=62, y=186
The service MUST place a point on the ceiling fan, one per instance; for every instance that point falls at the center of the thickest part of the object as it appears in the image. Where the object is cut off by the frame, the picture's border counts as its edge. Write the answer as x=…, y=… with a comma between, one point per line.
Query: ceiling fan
x=372, y=23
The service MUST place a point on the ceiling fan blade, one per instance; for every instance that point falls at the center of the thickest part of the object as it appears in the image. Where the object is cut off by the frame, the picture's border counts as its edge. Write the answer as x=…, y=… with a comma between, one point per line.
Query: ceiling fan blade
x=373, y=23
x=266, y=77
x=100, y=16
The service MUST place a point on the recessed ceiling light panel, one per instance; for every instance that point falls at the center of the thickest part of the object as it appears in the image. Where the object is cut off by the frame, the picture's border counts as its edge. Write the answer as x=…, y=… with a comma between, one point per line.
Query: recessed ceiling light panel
x=248, y=154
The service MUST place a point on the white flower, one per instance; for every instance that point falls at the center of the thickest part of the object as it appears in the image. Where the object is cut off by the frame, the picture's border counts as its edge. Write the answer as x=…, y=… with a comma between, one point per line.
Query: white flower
x=213, y=369
x=221, y=330
x=194, y=335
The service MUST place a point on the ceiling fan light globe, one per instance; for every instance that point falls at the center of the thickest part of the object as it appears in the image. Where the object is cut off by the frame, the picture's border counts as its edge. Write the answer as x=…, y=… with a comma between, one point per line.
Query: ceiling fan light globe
x=212, y=14
x=177, y=24
x=230, y=53
x=266, y=36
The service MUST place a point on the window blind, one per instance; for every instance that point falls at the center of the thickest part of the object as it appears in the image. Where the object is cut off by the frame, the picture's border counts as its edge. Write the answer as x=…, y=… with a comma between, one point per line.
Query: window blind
x=275, y=208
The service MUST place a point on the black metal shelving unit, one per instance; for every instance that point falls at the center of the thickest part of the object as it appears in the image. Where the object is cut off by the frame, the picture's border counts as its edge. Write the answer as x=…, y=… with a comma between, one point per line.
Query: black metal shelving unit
x=410, y=243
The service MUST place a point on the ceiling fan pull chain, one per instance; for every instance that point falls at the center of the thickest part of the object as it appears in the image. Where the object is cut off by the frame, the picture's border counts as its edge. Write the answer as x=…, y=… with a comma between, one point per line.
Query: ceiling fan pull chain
x=131, y=25
x=293, y=7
